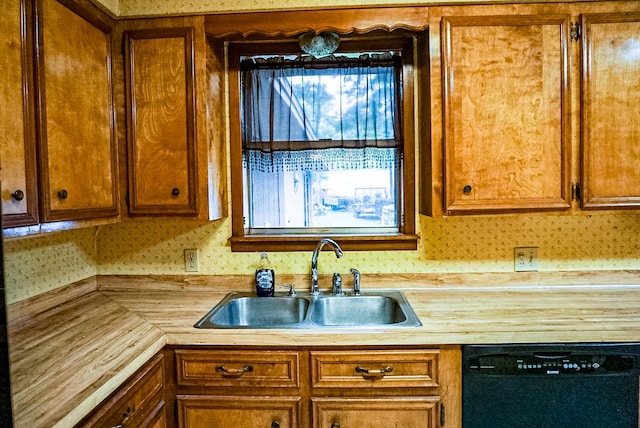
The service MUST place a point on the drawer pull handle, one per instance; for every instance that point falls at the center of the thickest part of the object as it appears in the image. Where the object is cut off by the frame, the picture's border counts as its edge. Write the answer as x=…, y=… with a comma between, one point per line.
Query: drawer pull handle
x=374, y=374
x=275, y=424
x=335, y=425
x=234, y=372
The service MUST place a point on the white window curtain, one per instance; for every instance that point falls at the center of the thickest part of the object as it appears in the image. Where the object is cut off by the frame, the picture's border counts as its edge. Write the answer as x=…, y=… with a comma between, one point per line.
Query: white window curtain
x=334, y=113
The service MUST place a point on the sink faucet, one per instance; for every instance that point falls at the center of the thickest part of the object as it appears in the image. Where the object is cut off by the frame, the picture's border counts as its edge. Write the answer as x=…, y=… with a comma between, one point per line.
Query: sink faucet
x=314, y=261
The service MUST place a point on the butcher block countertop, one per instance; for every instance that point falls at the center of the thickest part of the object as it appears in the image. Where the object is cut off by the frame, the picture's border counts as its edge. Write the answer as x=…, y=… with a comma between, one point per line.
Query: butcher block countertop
x=71, y=348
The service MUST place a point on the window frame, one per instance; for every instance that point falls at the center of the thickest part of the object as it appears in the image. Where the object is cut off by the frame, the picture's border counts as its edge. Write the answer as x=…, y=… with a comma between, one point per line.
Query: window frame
x=405, y=239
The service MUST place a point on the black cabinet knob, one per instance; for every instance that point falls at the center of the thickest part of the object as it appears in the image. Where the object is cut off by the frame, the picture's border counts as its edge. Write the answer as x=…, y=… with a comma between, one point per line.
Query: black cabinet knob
x=467, y=189
x=63, y=194
x=175, y=191
x=18, y=195
x=275, y=424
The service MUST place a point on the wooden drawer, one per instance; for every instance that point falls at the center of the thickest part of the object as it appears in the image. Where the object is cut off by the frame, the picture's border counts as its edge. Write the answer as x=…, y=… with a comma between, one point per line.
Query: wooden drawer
x=374, y=369
x=405, y=412
x=238, y=368
x=138, y=403
x=195, y=411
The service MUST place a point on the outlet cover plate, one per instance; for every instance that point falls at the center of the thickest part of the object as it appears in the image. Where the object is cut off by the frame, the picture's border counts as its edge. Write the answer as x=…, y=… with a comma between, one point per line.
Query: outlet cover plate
x=525, y=259
x=191, y=263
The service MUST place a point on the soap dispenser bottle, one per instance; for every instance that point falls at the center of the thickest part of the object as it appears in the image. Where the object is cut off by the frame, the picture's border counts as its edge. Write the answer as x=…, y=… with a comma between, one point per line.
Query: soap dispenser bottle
x=265, y=277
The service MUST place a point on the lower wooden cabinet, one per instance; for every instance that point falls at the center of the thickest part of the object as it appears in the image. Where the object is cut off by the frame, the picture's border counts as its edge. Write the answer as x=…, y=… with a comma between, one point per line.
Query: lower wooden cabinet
x=139, y=403
x=238, y=412
x=405, y=412
x=318, y=387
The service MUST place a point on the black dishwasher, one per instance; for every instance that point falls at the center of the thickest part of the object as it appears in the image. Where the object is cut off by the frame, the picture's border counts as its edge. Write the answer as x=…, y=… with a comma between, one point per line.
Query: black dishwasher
x=550, y=386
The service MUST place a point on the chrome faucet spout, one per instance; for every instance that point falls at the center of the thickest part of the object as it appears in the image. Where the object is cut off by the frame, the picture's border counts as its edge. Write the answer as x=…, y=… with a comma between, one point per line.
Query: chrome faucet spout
x=314, y=261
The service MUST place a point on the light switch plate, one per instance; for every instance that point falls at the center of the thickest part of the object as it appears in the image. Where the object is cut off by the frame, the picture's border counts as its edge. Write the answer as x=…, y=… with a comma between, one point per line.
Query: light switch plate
x=525, y=259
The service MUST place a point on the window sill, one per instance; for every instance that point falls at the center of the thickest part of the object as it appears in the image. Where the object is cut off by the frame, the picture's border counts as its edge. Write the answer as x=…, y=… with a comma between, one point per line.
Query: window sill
x=282, y=243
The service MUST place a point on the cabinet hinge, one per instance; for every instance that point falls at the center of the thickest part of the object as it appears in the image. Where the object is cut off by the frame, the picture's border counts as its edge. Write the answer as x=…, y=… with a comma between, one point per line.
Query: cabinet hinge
x=576, y=192
x=442, y=414
x=576, y=32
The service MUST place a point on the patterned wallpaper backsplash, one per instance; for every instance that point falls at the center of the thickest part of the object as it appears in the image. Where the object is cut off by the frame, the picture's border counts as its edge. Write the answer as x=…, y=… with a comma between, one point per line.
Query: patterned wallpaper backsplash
x=41, y=263
x=452, y=244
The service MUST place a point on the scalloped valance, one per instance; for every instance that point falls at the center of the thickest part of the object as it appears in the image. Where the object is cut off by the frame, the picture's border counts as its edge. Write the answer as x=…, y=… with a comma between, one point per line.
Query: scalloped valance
x=293, y=22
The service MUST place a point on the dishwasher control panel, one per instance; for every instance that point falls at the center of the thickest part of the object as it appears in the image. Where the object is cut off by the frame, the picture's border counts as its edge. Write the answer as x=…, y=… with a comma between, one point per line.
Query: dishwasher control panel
x=550, y=364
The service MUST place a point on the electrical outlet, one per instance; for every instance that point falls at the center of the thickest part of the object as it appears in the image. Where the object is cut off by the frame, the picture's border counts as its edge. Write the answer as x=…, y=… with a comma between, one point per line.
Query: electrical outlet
x=525, y=259
x=191, y=261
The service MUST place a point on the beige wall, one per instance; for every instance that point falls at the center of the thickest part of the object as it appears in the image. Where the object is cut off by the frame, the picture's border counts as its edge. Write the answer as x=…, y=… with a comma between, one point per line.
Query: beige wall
x=37, y=264
x=455, y=244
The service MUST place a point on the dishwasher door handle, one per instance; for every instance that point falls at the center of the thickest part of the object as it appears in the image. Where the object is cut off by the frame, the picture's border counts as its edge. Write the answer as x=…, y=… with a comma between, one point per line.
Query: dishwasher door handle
x=551, y=355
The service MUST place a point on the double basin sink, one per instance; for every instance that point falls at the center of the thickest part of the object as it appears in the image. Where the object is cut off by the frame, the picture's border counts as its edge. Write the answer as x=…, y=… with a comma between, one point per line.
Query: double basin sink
x=379, y=308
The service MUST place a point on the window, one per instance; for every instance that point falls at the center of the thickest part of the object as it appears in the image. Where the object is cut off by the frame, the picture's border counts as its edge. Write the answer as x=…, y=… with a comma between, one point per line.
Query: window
x=322, y=147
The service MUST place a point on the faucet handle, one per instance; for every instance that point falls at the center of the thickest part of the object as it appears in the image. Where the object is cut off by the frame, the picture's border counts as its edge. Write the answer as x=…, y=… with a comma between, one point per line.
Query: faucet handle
x=356, y=281
x=337, y=285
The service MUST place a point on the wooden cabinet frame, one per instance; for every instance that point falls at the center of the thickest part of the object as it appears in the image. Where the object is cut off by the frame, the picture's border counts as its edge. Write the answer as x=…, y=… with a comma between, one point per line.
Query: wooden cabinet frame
x=21, y=135
x=544, y=186
x=161, y=131
x=75, y=136
x=610, y=111
x=308, y=384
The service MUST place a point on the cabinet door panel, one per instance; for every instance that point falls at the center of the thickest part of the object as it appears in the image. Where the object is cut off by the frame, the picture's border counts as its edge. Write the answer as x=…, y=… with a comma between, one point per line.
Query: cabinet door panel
x=161, y=122
x=414, y=412
x=138, y=403
x=76, y=116
x=17, y=136
x=611, y=110
x=506, y=127
x=238, y=412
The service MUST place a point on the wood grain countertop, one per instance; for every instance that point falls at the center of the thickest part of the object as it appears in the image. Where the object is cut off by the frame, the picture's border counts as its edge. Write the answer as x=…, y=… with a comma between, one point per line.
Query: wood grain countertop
x=71, y=348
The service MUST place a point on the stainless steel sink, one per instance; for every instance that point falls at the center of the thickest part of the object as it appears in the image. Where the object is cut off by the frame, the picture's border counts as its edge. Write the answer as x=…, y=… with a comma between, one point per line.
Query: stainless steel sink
x=240, y=310
x=374, y=308
x=357, y=310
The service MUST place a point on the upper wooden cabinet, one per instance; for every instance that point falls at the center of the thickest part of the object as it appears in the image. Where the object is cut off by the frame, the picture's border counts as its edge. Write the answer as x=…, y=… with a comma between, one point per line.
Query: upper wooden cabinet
x=74, y=104
x=611, y=110
x=174, y=119
x=17, y=132
x=506, y=129
x=532, y=107
x=161, y=121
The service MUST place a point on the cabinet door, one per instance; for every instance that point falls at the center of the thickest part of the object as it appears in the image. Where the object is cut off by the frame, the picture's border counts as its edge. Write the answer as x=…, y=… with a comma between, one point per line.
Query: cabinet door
x=161, y=121
x=506, y=105
x=76, y=131
x=611, y=110
x=17, y=133
x=138, y=403
x=405, y=412
x=238, y=412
